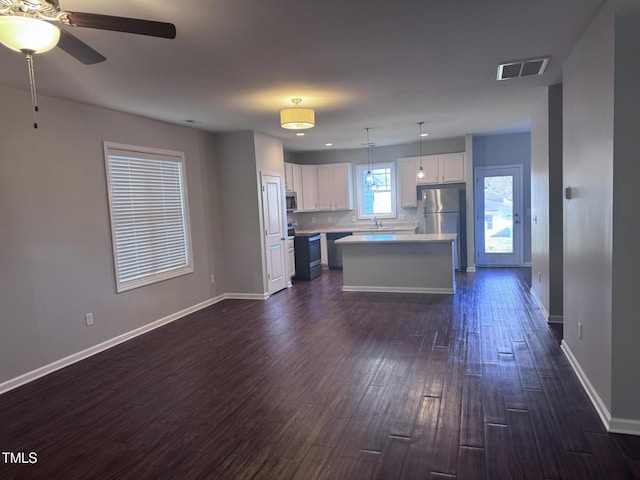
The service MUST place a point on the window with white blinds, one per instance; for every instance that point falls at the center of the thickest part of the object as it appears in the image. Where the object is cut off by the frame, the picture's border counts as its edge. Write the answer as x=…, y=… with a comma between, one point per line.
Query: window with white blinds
x=149, y=215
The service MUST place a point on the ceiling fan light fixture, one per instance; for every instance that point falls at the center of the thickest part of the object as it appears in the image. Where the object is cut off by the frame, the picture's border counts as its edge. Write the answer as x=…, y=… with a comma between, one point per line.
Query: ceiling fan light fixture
x=297, y=118
x=25, y=34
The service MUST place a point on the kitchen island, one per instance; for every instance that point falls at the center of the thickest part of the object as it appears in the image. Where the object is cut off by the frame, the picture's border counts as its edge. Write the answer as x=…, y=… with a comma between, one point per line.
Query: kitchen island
x=405, y=263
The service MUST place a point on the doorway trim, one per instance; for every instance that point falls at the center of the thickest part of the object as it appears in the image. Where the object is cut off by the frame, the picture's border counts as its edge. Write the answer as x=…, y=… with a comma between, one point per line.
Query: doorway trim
x=478, y=213
x=274, y=241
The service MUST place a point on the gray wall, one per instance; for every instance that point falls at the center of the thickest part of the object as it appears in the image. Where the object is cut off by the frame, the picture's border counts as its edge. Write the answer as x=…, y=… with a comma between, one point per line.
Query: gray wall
x=381, y=154
x=546, y=201
x=626, y=228
x=240, y=205
x=55, y=238
x=510, y=149
x=588, y=100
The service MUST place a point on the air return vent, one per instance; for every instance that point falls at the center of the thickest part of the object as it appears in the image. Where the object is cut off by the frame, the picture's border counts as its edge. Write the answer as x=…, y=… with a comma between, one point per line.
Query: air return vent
x=522, y=68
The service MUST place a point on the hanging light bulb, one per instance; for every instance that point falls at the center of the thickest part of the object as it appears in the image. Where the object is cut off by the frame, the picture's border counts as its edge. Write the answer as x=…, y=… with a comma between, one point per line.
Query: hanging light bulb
x=368, y=179
x=420, y=175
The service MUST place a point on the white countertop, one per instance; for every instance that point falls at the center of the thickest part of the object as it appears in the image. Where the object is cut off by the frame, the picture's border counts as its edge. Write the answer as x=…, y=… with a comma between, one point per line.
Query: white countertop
x=399, y=238
x=359, y=229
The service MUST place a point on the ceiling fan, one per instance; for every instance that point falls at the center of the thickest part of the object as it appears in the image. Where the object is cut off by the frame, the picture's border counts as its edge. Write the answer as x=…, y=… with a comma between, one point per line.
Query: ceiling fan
x=28, y=26
x=49, y=10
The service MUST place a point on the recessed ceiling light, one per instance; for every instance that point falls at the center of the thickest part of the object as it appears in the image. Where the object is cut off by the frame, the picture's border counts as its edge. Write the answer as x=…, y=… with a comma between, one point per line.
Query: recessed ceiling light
x=300, y=134
x=328, y=144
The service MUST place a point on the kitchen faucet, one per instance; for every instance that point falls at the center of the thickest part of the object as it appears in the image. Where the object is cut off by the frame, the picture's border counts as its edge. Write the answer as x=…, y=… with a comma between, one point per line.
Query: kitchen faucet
x=376, y=223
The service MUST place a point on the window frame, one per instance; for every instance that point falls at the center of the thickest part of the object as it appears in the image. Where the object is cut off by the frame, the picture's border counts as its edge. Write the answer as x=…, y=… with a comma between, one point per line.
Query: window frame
x=361, y=169
x=141, y=154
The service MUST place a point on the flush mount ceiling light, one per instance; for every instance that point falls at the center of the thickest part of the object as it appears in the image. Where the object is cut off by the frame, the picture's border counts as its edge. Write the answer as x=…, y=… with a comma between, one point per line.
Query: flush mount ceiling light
x=297, y=118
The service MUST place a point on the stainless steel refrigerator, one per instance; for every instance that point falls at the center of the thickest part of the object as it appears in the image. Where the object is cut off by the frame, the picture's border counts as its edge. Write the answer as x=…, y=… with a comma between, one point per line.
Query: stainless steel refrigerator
x=444, y=211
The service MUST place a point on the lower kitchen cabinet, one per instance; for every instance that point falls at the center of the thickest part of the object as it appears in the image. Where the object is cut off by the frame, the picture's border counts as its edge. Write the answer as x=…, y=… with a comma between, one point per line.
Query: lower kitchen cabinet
x=291, y=256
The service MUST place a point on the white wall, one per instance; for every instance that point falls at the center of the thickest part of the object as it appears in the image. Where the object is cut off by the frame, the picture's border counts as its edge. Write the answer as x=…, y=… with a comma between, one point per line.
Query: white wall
x=55, y=241
x=546, y=202
x=588, y=101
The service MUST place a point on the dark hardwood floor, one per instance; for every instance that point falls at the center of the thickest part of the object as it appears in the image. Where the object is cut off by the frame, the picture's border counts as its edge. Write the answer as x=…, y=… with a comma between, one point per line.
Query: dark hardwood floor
x=319, y=384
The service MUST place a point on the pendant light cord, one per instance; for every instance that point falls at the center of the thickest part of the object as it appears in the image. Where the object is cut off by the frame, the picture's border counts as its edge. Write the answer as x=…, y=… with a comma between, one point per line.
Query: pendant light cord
x=32, y=84
x=420, y=123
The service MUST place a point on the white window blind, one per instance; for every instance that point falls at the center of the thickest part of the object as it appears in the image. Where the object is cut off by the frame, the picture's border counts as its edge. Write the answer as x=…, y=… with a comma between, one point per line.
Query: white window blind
x=149, y=215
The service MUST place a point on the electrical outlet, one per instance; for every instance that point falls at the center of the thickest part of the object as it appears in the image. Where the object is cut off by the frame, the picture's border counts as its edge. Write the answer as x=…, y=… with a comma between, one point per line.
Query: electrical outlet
x=329, y=219
x=212, y=278
x=580, y=330
x=313, y=219
x=88, y=319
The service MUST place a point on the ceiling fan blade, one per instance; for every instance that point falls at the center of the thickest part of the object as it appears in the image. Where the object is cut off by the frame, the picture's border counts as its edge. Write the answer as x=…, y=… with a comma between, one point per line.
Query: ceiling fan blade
x=122, y=24
x=78, y=49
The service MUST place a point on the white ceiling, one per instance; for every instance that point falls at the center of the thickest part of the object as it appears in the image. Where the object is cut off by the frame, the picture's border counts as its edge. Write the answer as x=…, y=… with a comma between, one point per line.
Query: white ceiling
x=359, y=63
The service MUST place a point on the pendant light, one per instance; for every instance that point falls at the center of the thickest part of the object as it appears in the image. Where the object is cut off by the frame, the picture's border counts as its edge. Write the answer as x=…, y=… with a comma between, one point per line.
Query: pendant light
x=420, y=175
x=368, y=179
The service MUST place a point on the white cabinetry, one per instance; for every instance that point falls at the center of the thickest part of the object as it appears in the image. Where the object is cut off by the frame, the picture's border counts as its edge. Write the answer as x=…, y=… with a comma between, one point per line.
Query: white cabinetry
x=446, y=168
x=288, y=177
x=324, y=253
x=451, y=168
x=308, y=197
x=293, y=177
x=407, y=170
x=334, y=187
x=291, y=256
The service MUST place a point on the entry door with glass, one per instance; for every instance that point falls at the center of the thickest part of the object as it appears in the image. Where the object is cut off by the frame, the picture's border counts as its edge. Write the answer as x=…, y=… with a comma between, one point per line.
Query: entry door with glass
x=498, y=215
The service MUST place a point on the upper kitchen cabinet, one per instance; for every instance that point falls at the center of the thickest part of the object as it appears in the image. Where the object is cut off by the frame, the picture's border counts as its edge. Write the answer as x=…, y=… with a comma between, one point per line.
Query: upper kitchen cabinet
x=407, y=169
x=335, y=187
x=451, y=168
x=308, y=194
x=293, y=177
x=446, y=168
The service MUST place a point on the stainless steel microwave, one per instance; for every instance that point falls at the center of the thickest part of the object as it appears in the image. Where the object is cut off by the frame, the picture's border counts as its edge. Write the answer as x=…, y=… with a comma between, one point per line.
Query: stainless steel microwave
x=292, y=201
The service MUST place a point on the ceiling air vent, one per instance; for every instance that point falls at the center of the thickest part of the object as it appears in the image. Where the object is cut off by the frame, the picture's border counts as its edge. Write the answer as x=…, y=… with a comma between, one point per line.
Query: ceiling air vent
x=522, y=68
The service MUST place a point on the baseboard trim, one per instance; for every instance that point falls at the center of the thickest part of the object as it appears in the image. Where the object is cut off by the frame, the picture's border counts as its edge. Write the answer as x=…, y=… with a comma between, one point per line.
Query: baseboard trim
x=601, y=408
x=624, y=425
x=471, y=269
x=442, y=291
x=548, y=317
x=556, y=319
x=91, y=351
x=246, y=296
x=539, y=303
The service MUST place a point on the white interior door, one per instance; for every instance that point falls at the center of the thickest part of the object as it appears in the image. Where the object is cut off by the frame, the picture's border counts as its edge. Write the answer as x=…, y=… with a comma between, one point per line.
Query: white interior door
x=274, y=231
x=498, y=216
